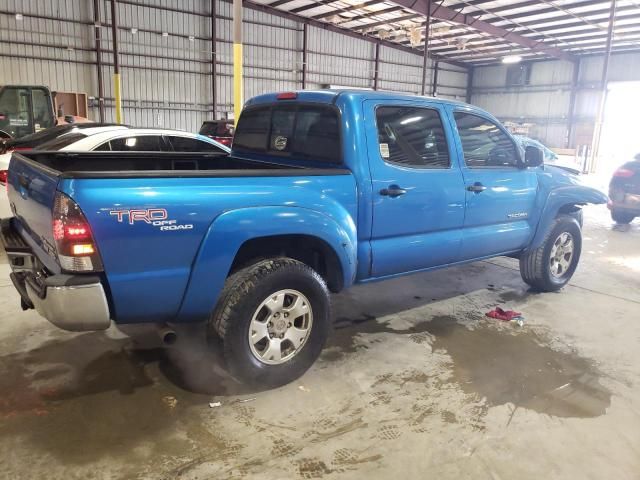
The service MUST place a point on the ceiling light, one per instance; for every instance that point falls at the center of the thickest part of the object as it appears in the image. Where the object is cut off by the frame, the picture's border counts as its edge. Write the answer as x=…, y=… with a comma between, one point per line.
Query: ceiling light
x=134, y=31
x=512, y=59
x=192, y=38
x=19, y=16
x=165, y=34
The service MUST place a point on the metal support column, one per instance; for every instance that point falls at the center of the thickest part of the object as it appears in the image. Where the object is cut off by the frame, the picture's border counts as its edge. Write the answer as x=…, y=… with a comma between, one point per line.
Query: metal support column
x=116, y=61
x=305, y=39
x=237, y=60
x=214, y=64
x=571, y=127
x=434, y=86
x=425, y=53
x=376, y=68
x=597, y=131
x=469, y=93
x=98, y=37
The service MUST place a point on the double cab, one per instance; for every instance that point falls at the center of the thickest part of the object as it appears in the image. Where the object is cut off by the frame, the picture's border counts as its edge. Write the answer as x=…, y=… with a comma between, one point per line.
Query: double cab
x=321, y=190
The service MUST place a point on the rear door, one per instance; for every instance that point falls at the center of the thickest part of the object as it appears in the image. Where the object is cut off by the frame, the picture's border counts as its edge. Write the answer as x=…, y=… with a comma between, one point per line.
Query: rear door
x=500, y=194
x=418, y=192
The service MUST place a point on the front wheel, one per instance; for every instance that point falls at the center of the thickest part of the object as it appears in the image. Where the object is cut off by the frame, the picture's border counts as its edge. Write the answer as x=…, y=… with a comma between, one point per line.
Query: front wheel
x=550, y=266
x=273, y=318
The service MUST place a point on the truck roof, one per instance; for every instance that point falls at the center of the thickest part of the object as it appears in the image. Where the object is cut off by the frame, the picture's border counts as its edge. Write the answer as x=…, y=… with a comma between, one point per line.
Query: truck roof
x=330, y=96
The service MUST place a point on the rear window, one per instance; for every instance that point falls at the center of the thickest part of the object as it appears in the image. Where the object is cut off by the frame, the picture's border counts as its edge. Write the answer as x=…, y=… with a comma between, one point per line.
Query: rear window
x=303, y=131
x=61, y=142
x=217, y=129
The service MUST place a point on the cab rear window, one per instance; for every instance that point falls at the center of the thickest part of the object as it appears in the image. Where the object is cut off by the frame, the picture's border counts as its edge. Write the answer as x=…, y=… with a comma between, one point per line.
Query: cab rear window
x=309, y=132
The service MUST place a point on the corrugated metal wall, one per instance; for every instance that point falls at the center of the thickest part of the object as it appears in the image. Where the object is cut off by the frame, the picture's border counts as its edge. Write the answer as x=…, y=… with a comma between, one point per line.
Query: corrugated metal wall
x=546, y=100
x=165, y=54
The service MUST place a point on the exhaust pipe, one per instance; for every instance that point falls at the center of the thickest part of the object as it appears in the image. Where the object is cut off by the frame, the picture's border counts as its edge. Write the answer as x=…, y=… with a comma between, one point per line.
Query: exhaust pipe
x=168, y=335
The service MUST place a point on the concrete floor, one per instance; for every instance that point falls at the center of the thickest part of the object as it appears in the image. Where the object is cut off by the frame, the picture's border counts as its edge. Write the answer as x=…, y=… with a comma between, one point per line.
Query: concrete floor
x=416, y=382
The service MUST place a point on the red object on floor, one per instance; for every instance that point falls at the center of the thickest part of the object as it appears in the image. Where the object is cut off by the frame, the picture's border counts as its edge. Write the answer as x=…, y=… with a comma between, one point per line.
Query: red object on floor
x=505, y=315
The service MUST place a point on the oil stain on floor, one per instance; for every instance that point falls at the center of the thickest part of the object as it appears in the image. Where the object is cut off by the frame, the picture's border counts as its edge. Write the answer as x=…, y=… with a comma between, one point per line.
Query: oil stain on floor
x=500, y=365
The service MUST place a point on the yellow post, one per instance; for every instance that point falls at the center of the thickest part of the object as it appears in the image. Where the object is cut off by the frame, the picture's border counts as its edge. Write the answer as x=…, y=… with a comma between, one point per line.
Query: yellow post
x=118, y=97
x=237, y=60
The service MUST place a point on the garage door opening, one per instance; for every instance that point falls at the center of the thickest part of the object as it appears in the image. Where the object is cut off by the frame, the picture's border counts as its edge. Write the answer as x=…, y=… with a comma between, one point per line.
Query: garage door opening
x=619, y=141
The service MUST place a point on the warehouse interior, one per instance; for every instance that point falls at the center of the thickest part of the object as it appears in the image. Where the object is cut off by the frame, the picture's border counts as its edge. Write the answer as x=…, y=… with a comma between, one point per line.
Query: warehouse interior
x=415, y=380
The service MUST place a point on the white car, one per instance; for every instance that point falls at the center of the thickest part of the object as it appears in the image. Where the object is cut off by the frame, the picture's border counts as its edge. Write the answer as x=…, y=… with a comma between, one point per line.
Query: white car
x=116, y=138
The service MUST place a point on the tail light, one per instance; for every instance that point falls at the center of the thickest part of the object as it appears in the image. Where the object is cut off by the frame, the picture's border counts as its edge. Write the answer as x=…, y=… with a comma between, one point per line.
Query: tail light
x=76, y=248
x=624, y=173
x=3, y=176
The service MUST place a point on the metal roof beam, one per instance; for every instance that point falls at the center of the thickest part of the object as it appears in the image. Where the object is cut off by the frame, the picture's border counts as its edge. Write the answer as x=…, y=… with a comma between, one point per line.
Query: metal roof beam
x=621, y=34
x=445, y=13
x=341, y=30
x=320, y=16
x=536, y=24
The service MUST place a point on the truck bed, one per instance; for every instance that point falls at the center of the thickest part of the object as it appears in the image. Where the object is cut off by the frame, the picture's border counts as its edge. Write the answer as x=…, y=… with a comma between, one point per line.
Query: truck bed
x=148, y=265
x=162, y=164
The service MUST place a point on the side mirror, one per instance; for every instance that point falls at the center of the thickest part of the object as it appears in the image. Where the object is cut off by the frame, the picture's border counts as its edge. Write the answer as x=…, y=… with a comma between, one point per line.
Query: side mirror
x=533, y=156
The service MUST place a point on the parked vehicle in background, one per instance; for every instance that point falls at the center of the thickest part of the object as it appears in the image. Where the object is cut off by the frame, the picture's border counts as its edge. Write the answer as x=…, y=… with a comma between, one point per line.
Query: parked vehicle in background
x=102, y=137
x=322, y=189
x=27, y=109
x=624, y=192
x=126, y=139
x=219, y=130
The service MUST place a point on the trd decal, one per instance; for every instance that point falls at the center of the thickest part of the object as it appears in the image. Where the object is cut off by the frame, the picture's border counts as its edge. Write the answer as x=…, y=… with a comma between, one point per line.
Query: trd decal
x=148, y=216
x=158, y=217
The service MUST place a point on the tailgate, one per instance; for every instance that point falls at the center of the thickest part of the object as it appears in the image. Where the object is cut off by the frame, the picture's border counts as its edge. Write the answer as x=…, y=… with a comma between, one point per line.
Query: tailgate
x=32, y=190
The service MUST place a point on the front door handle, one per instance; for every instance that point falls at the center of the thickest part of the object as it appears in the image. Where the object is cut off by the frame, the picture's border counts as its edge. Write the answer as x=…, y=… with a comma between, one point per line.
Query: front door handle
x=476, y=187
x=393, y=191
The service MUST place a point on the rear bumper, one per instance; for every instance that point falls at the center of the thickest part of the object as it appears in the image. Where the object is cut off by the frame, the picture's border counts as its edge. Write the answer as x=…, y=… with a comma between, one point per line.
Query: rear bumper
x=621, y=200
x=72, y=302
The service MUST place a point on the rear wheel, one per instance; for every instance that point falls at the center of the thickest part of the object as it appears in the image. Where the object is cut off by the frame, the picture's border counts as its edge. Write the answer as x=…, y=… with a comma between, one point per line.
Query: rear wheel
x=273, y=318
x=622, y=217
x=551, y=266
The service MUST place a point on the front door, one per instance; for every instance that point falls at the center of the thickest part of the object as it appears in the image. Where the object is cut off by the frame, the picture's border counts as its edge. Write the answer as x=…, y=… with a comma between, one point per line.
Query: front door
x=500, y=193
x=418, y=191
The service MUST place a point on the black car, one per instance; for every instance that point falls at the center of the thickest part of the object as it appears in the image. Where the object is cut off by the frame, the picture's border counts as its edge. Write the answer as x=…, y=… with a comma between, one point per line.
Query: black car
x=624, y=192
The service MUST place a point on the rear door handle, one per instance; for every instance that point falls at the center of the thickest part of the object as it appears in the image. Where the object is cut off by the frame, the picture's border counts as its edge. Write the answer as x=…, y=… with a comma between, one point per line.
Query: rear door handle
x=476, y=187
x=392, y=191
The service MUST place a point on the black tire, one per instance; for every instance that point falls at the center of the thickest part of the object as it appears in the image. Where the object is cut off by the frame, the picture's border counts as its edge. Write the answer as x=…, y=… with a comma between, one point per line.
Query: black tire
x=535, y=265
x=243, y=293
x=622, y=217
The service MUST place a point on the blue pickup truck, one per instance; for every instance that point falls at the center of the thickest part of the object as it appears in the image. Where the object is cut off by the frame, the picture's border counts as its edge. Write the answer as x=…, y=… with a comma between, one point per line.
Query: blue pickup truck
x=322, y=189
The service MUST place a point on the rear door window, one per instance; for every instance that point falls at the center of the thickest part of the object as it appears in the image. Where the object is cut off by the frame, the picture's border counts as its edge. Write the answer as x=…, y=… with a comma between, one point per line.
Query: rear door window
x=142, y=143
x=412, y=137
x=310, y=132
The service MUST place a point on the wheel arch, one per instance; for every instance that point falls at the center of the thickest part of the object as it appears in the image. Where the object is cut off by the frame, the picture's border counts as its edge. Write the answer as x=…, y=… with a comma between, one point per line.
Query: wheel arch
x=237, y=236
x=565, y=200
